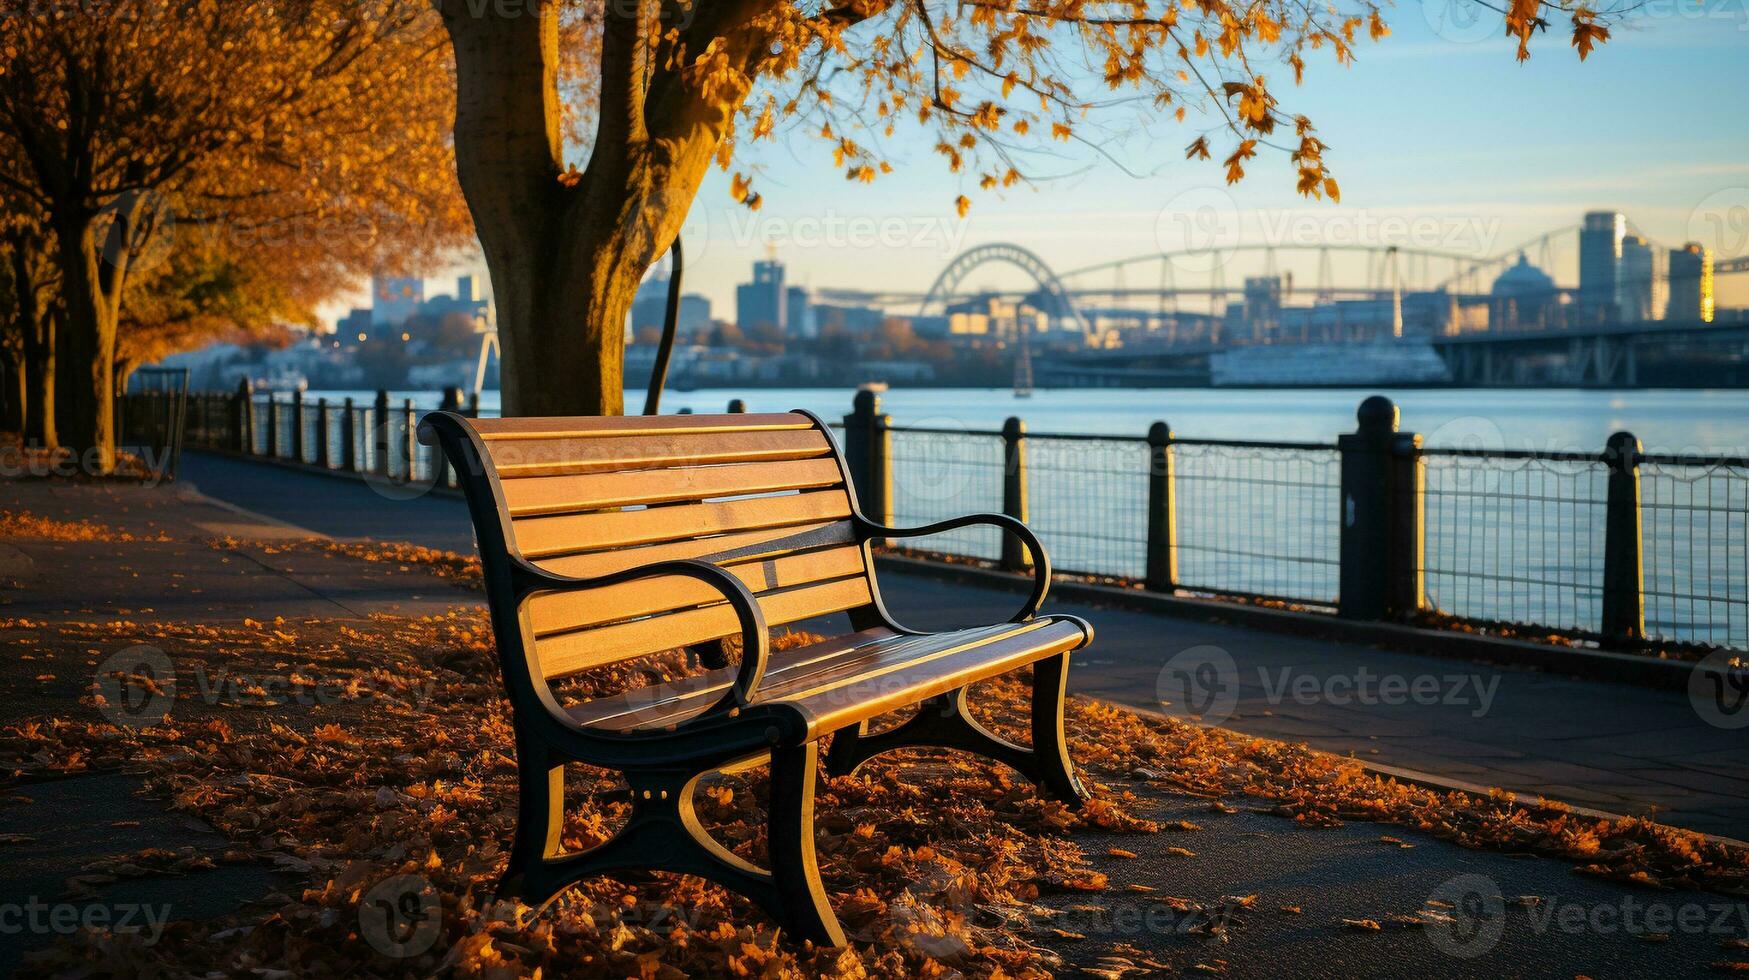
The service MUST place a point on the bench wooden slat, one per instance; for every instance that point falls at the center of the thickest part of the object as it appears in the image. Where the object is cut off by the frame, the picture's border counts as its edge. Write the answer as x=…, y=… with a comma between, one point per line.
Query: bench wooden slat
x=568, y=653
x=557, y=612
x=850, y=678
x=543, y=427
x=570, y=494
x=524, y=458
x=742, y=545
x=542, y=537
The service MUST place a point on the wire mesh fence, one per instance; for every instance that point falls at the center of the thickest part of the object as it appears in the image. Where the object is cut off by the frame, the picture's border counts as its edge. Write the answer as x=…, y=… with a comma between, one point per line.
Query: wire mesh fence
x=1516, y=538
x=1258, y=519
x=942, y=473
x=1087, y=500
x=1694, y=536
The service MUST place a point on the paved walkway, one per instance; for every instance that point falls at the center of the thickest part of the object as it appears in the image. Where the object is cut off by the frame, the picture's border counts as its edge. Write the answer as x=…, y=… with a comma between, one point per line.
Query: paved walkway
x=1610, y=746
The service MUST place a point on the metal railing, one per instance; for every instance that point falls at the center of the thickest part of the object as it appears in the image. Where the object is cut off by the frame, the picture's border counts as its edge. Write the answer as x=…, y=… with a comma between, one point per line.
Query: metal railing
x=1620, y=547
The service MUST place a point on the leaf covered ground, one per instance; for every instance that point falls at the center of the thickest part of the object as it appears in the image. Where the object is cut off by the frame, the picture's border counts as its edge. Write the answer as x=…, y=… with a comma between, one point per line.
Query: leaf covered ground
x=350, y=754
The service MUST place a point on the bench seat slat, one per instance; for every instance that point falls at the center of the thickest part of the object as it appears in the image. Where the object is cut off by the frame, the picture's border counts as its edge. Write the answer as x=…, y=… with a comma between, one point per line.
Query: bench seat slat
x=544, y=537
x=557, y=612
x=569, y=494
x=851, y=678
x=522, y=458
x=564, y=654
x=546, y=427
x=721, y=548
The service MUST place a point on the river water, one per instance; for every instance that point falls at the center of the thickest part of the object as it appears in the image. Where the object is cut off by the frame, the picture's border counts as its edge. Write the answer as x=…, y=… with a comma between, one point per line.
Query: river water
x=1713, y=422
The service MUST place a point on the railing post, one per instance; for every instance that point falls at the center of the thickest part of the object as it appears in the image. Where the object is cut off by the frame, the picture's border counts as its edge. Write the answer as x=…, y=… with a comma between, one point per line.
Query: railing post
x=737, y=406
x=1162, y=551
x=473, y=404
x=380, y=432
x=322, y=432
x=297, y=440
x=452, y=402
x=1014, y=554
x=1624, y=613
x=243, y=418
x=1364, y=576
x=1406, y=586
x=272, y=427
x=409, y=444
x=348, y=438
x=868, y=451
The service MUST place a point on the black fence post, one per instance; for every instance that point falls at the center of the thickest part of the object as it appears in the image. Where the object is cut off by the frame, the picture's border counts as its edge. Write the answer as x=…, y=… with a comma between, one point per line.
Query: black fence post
x=452, y=402
x=868, y=451
x=1364, y=577
x=243, y=418
x=737, y=406
x=1406, y=471
x=272, y=427
x=380, y=432
x=1624, y=613
x=297, y=421
x=348, y=437
x=322, y=432
x=473, y=404
x=409, y=442
x=1162, y=550
x=1014, y=554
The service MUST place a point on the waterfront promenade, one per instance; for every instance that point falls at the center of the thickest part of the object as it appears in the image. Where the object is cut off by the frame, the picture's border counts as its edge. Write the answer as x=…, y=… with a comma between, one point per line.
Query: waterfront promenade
x=1590, y=743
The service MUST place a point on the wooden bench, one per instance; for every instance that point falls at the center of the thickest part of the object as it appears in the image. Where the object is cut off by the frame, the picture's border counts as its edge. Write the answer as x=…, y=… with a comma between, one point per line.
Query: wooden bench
x=608, y=539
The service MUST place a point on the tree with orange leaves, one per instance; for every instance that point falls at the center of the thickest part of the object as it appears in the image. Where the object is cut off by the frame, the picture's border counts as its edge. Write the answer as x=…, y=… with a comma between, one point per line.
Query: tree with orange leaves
x=310, y=129
x=674, y=85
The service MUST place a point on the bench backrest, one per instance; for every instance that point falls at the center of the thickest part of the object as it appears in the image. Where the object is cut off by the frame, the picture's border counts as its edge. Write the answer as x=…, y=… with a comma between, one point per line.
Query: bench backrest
x=764, y=496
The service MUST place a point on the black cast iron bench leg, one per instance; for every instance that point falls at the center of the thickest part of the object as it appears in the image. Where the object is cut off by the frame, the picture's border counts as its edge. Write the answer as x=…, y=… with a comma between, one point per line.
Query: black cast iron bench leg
x=945, y=722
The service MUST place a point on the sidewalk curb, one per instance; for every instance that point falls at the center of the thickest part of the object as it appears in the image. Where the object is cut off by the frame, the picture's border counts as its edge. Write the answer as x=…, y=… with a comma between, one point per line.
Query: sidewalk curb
x=1621, y=668
x=1417, y=777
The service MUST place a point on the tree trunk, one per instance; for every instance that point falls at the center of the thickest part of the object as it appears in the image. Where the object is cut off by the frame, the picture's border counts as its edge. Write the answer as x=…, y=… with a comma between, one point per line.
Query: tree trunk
x=12, y=398
x=39, y=380
x=87, y=353
x=566, y=252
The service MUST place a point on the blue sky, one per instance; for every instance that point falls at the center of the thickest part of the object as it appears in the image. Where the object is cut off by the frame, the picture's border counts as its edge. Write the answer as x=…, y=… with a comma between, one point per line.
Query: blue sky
x=1438, y=137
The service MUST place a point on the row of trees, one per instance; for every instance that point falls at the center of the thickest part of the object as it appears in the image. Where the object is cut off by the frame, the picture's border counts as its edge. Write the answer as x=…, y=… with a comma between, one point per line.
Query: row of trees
x=174, y=171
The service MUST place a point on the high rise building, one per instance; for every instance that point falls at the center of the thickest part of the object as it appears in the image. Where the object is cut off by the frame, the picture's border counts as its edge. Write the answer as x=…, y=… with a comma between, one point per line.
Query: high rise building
x=1637, y=292
x=1691, y=284
x=762, y=302
x=1600, y=238
x=394, y=298
x=798, y=313
x=464, y=289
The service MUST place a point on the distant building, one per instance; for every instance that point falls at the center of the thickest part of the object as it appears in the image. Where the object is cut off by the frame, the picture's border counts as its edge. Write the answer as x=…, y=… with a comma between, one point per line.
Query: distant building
x=849, y=319
x=1261, y=316
x=1638, y=292
x=1691, y=284
x=354, y=327
x=650, y=308
x=1600, y=238
x=394, y=299
x=798, y=314
x=1523, y=298
x=762, y=302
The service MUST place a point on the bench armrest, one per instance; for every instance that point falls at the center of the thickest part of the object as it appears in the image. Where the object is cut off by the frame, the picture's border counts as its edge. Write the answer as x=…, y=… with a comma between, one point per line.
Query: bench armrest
x=755, y=635
x=1041, y=564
